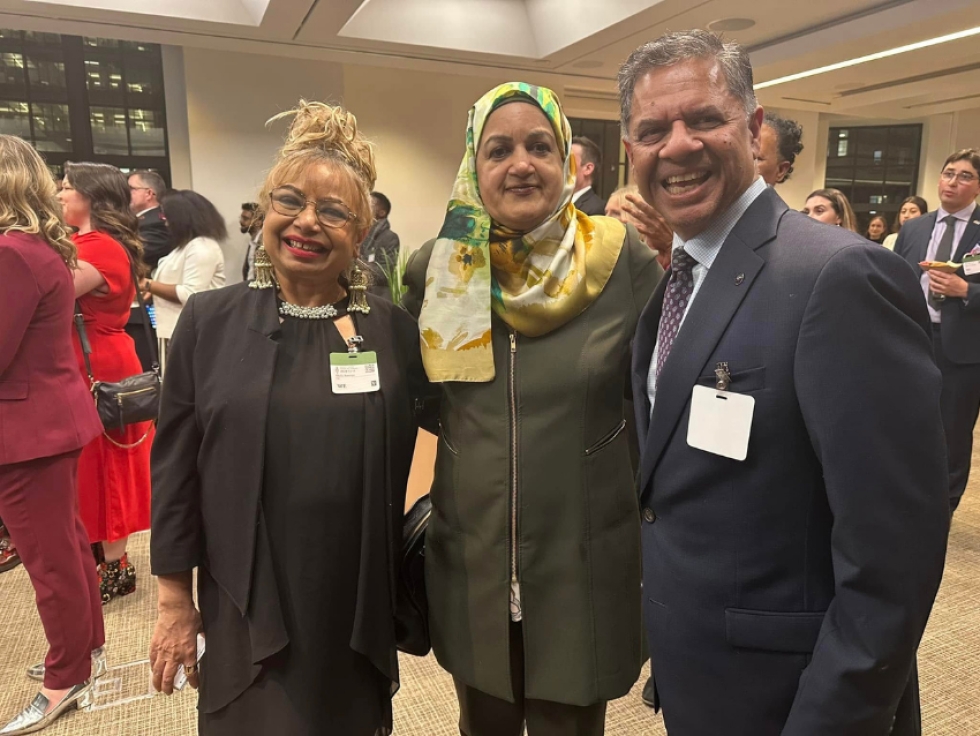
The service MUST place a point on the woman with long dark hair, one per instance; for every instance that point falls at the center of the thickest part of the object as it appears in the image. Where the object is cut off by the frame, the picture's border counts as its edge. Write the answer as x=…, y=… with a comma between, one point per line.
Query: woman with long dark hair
x=911, y=208
x=195, y=264
x=114, y=470
x=46, y=417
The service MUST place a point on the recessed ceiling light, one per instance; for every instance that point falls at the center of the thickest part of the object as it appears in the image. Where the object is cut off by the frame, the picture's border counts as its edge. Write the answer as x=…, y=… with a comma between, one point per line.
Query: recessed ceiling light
x=872, y=57
x=587, y=64
x=731, y=24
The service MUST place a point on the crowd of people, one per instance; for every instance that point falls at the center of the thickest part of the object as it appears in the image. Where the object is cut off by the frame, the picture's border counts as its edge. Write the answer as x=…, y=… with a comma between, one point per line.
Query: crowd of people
x=657, y=434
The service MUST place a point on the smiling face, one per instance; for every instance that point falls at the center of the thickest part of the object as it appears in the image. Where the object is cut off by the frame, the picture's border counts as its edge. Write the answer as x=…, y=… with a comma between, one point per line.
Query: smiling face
x=75, y=207
x=691, y=144
x=822, y=209
x=519, y=167
x=909, y=211
x=301, y=248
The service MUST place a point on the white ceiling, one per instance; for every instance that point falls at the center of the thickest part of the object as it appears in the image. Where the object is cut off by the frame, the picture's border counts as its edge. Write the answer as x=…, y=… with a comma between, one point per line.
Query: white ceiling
x=582, y=39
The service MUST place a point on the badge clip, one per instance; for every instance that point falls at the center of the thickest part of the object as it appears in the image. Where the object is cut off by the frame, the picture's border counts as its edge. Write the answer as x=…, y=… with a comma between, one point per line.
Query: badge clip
x=353, y=344
x=723, y=376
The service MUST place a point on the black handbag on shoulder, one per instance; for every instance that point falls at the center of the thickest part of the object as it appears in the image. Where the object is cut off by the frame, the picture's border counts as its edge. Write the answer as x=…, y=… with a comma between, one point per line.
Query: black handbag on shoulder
x=412, y=607
x=132, y=400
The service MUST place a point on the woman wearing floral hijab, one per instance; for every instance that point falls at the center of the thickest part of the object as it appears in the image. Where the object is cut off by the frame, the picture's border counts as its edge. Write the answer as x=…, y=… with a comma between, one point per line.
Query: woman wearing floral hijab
x=526, y=310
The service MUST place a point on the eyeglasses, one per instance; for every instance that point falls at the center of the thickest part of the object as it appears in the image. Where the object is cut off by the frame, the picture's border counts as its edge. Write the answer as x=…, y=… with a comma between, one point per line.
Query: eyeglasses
x=964, y=177
x=136, y=189
x=331, y=214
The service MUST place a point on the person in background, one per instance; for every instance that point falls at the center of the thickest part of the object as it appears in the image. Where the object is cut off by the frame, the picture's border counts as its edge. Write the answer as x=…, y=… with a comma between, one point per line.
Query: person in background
x=780, y=143
x=46, y=417
x=877, y=229
x=114, y=469
x=949, y=234
x=250, y=223
x=588, y=159
x=527, y=307
x=911, y=208
x=196, y=263
x=146, y=190
x=792, y=482
x=831, y=207
x=381, y=246
x=286, y=492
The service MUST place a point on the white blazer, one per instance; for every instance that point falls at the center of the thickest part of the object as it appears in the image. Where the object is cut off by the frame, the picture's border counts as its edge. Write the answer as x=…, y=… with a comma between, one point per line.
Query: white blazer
x=197, y=266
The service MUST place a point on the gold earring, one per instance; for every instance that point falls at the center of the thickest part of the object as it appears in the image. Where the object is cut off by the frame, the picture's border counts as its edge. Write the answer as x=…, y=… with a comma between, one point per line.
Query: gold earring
x=358, y=290
x=265, y=275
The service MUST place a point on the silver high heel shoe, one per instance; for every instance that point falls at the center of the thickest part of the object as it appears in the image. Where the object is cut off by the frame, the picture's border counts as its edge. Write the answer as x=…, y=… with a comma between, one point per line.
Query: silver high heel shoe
x=99, y=666
x=34, y=718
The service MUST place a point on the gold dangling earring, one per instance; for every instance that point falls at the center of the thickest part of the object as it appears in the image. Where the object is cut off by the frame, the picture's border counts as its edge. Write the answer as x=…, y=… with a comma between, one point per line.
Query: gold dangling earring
x=358, y=290
x=265, y=276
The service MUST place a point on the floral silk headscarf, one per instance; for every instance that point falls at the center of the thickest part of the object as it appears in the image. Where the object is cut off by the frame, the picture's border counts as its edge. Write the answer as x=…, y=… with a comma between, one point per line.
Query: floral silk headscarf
x=535, y=282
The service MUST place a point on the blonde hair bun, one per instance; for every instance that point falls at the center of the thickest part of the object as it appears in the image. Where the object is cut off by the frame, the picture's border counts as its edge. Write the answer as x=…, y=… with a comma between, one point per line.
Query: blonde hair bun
x=332, y=131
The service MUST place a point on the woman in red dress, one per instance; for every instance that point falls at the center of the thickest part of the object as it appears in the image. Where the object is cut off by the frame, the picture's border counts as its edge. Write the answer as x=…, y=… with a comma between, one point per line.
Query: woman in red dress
x=114, y=470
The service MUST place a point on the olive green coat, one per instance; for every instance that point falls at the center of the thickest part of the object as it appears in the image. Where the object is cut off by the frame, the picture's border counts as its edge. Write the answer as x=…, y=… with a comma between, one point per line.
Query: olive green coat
x=577, y=514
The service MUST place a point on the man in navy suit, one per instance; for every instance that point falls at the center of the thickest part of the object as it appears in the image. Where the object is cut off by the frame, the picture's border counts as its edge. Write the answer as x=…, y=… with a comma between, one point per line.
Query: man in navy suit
x=949, y=234
x=793, y=478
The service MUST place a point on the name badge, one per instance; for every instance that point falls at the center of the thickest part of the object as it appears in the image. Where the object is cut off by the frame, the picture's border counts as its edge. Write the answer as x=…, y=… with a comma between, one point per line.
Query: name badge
x=971, y=265
x=354, y=373
x=721, y=422
x=371, y=258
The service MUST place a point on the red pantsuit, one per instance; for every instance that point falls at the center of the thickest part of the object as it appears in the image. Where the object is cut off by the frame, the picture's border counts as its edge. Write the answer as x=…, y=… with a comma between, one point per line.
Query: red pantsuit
x=46, y=416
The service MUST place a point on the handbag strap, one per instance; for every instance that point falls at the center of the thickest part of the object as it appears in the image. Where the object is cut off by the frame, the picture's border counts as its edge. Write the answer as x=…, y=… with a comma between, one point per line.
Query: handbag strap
x=83, y=339
x=145, y=318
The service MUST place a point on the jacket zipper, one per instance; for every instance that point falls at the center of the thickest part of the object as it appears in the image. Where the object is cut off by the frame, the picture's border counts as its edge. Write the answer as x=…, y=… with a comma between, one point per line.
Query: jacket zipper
x=120, y=396
x=515, y=586
x=607, y=439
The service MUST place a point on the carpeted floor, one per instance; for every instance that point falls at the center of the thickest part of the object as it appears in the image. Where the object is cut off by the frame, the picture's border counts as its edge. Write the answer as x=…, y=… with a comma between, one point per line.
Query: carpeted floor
x=949, y=660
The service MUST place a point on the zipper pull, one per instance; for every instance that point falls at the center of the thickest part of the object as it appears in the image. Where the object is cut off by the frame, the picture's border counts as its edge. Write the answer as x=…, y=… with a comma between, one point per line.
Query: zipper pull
x=513, y=343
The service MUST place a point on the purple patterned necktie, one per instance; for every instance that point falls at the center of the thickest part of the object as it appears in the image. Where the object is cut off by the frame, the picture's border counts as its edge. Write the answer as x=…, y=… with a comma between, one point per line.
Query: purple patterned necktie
x=678, y=294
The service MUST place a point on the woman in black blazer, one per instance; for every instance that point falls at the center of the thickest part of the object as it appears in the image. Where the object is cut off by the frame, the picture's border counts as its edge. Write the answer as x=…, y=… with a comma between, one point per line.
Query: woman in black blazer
x=279, y=470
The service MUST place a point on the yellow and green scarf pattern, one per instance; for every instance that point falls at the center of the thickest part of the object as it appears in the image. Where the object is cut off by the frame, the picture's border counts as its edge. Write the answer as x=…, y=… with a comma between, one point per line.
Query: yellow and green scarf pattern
x=535, y=282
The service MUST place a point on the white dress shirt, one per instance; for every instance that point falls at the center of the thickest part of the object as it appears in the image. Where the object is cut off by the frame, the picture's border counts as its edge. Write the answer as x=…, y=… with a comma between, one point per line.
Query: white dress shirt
x=704, y=248
x=580, y=193
x=197, y=266
x=962, y=220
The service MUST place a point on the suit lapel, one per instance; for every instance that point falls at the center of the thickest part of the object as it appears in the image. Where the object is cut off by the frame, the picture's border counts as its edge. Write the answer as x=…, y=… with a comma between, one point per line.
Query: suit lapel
x=643, y=344
x=921, y=248
x=970, y=236
x=728, y=281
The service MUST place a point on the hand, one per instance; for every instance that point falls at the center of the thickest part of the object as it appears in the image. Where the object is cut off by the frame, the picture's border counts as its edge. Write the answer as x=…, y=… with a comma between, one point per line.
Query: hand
x=648, y=222
x=948, y=284
x=174, y=643
x=145, y=290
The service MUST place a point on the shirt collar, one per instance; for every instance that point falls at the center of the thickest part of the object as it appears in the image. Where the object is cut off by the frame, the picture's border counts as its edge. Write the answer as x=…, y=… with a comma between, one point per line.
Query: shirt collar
x=580, y=192
x=149, y=209
x=705, y=246
x=964, y=214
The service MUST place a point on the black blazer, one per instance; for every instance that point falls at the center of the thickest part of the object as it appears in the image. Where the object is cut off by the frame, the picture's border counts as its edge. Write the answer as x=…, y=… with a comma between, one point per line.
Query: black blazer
x=207, y=470
x=960, y=319
x=157, y=241
x=591, y=204
x=786, y=594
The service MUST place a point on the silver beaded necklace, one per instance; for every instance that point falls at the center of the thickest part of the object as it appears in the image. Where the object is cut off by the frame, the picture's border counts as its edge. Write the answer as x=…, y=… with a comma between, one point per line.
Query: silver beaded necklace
x=327, y=311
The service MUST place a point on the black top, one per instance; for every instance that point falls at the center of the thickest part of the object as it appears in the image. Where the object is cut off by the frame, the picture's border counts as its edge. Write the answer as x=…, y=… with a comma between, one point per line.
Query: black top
x=221, y=404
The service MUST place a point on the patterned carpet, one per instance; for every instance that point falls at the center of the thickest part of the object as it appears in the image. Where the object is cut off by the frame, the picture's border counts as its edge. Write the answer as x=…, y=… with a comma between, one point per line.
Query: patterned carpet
x=949, y=660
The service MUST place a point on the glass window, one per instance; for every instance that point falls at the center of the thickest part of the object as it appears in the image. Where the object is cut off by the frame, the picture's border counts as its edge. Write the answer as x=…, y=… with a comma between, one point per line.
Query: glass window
x=102, y=75
x=45, y=73
x=52, y=128
x=9, y=35
x=142, y=79
x=41, y=38
x=109, y=131
x=15, y=119
x=101, y=43
x=146, y=133
x=11, y=70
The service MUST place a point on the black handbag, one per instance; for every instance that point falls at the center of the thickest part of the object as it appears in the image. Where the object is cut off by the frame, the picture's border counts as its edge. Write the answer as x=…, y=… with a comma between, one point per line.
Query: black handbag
x=131, y=400
x=412, y=607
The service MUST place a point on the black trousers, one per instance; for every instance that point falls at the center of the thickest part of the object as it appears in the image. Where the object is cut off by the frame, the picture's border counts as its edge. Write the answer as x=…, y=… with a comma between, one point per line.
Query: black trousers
x=484, y=715
x=960, y=403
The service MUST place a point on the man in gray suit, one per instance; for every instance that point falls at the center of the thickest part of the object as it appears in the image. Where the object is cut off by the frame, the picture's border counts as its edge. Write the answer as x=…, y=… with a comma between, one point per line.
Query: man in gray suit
x=793, y=476
x=950, y=234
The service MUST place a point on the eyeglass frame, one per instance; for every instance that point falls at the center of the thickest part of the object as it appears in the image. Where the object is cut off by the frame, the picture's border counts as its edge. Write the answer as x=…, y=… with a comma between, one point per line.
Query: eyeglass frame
x=351, y=216
x=950, y=176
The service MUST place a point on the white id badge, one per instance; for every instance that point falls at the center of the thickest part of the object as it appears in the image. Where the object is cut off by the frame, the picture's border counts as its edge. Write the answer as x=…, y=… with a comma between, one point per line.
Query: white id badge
x=354, y=373
x=971, y=265
x=371, y=258
x=721, y=422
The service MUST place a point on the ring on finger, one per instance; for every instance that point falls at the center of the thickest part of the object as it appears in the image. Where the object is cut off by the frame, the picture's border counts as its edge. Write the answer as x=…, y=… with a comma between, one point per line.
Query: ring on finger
x=190, y=669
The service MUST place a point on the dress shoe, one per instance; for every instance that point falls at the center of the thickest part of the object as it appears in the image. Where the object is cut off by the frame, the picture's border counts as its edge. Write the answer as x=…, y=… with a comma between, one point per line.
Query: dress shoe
x=9, y=559
x=34, y=718
x=117, y=579
x=99, y=666
x=649, y=696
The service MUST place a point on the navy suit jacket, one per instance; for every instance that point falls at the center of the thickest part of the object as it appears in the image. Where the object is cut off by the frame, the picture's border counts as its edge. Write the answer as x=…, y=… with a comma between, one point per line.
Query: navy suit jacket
x=786, y=594
x=960, y=319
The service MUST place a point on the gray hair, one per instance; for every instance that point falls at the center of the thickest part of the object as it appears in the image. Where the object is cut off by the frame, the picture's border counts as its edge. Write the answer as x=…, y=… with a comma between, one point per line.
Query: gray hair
x=152, y=180
x=680, y=46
